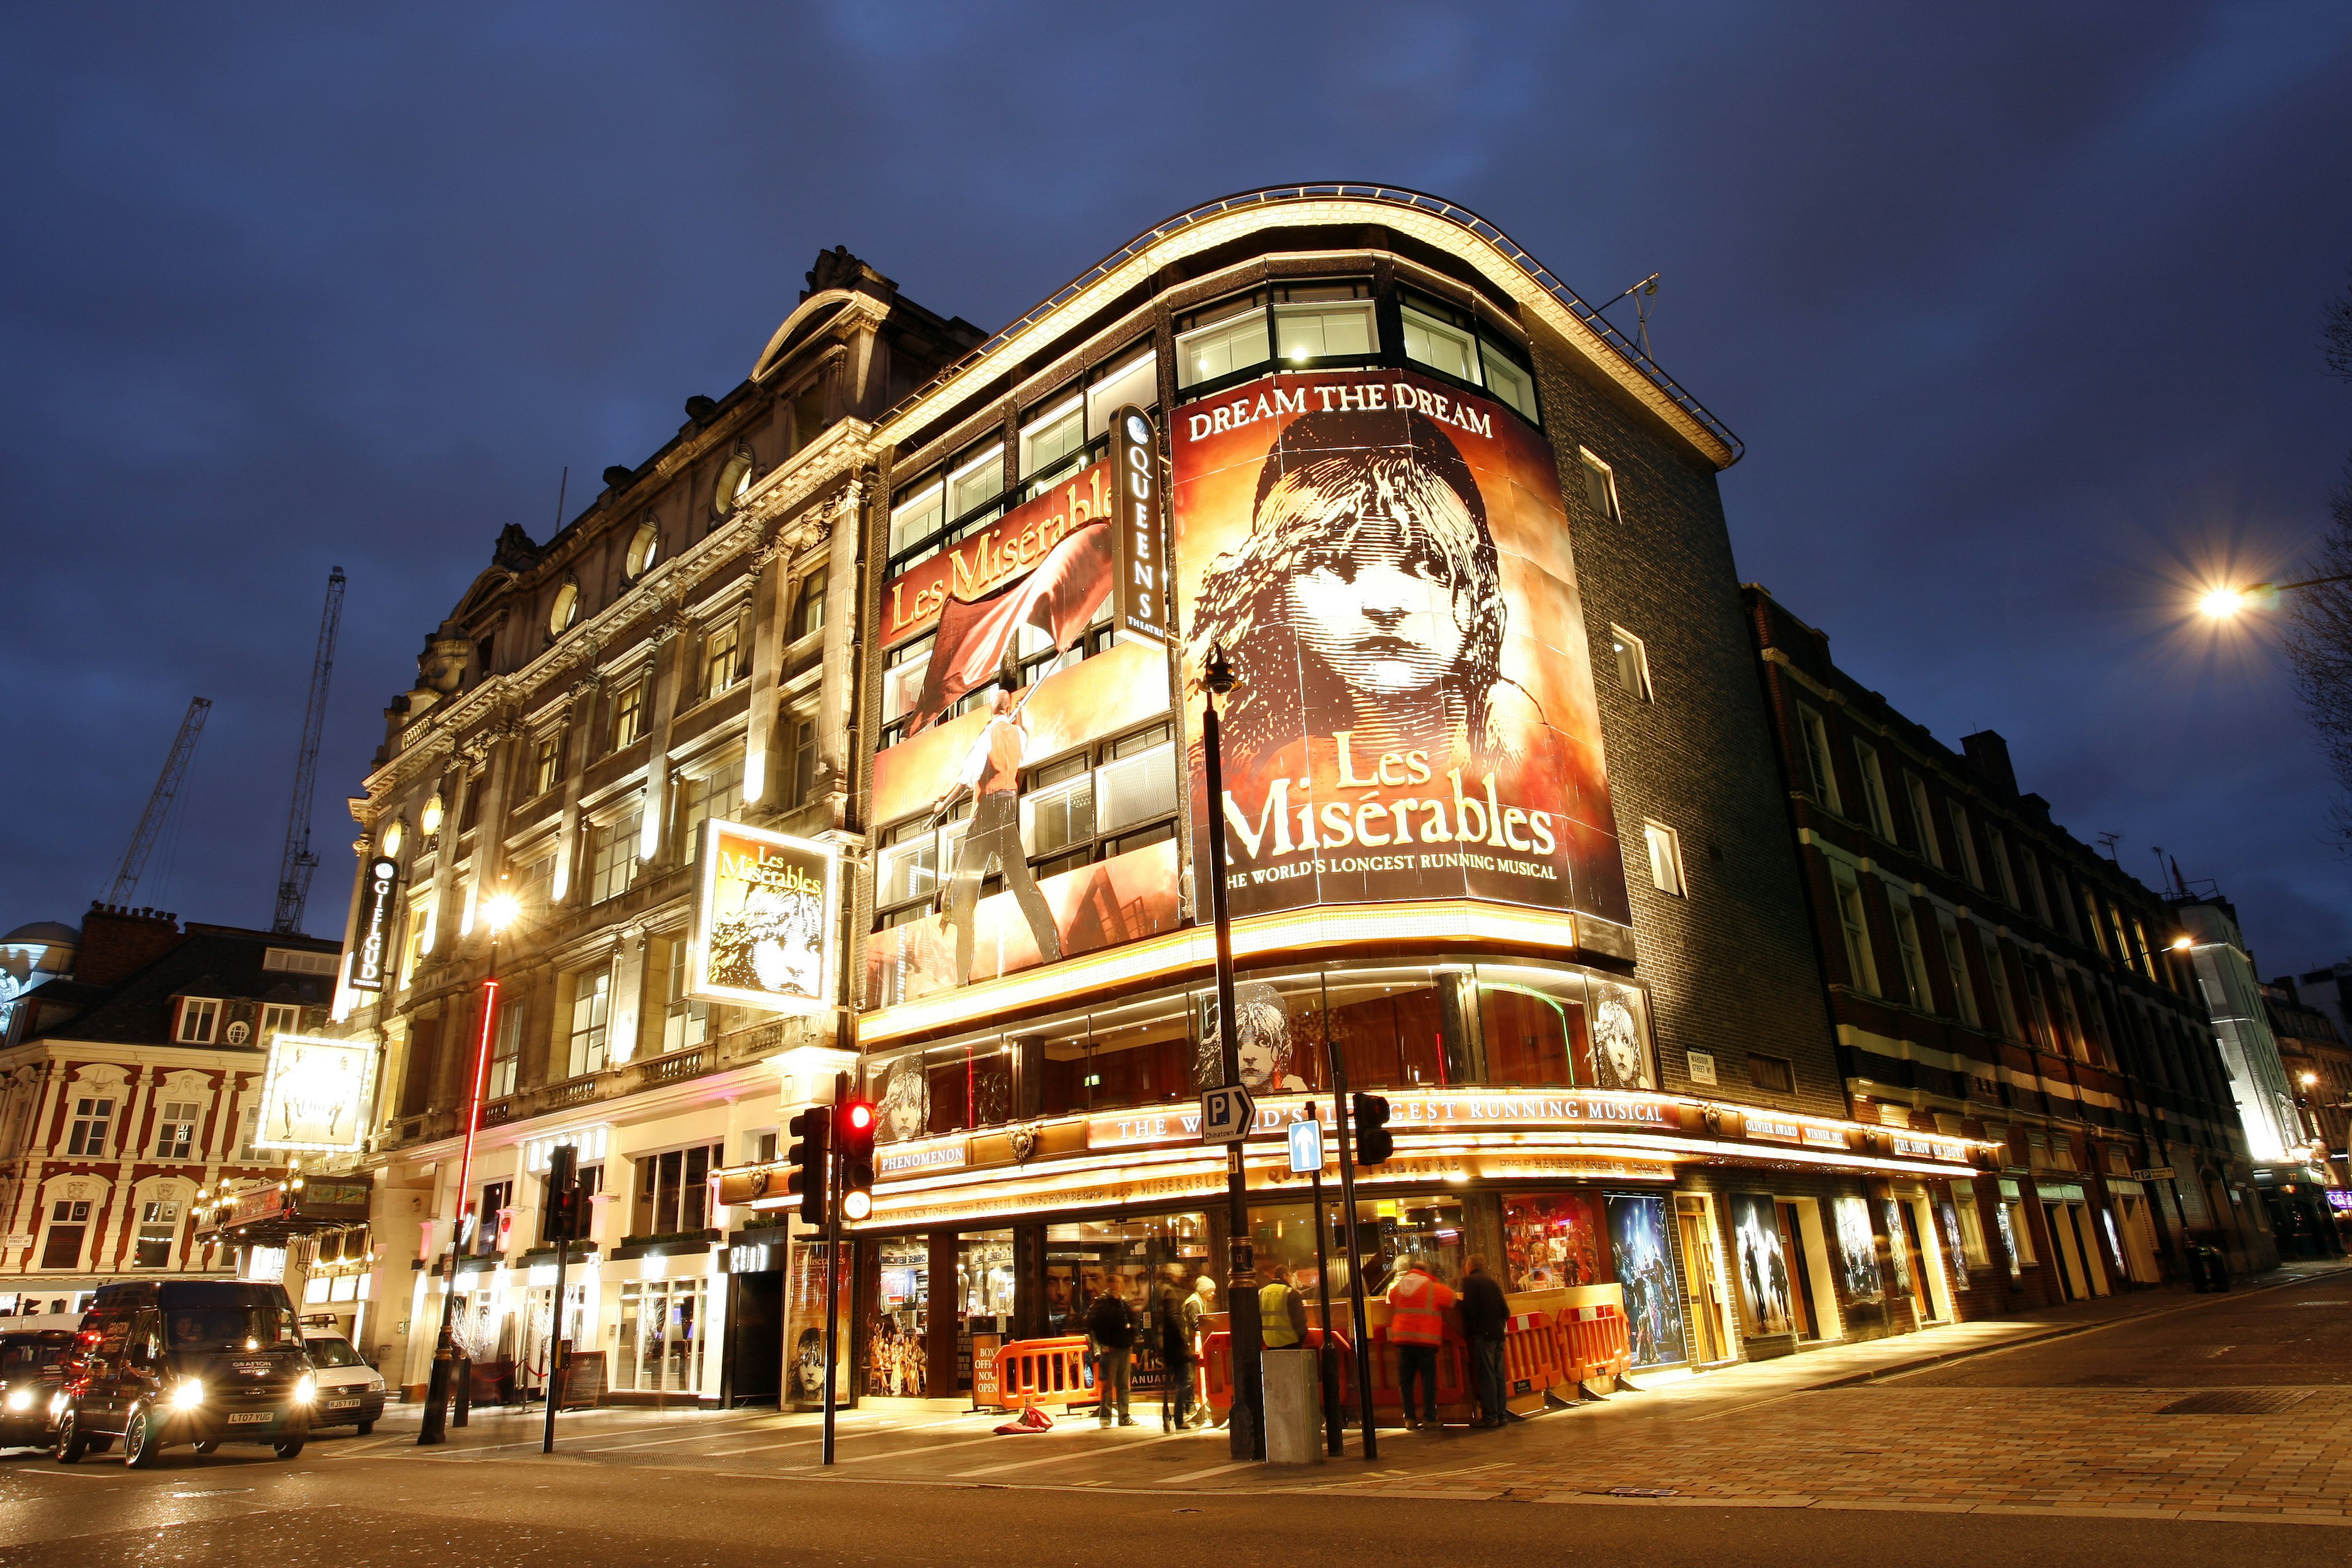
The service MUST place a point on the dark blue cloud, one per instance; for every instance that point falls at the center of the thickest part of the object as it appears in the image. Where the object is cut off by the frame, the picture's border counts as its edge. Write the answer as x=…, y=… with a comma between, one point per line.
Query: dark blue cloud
x=2015, y=307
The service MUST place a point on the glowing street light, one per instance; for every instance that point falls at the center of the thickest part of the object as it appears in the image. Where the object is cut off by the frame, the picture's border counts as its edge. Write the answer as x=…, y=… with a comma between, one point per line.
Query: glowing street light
x=499, y=909
x=2223, y=602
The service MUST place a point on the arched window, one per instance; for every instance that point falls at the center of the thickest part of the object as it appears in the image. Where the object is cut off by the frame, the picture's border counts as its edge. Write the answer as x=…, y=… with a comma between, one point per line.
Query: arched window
x=734, y=479
x=565, y=611
x=644, y=549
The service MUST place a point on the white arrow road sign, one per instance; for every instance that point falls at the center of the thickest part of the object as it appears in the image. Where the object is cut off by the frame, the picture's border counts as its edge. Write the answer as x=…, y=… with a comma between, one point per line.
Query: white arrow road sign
x=1226, y=1115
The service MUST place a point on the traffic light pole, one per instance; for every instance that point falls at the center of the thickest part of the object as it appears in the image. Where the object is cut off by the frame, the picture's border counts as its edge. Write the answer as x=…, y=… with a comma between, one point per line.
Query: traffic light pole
x=832, y=1268
x=1341, y=1116
x=555, y=1345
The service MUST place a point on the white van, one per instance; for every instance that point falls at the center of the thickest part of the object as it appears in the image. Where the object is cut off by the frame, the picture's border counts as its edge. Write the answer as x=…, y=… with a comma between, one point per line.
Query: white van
x=350, y=1392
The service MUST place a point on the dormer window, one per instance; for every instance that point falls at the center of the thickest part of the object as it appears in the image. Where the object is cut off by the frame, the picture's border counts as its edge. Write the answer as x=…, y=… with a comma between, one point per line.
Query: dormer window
x=199, y=1021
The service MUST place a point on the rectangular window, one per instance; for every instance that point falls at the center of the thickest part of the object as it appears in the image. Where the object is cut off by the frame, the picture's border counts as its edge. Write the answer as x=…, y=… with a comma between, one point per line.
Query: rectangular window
x=2004, y=1000
x=1817, y=756
x=1778, y=1074
x=1969, y=867
x=68, y=1219
x=1963, y=994
x=1324, y=320
x=2001, y=883
x=2030, y=866
x=612, y=856
x=1632, y=663
x=915, y=519
x=592, y=1000
x=722, y=659
x=1972, y=1223
x=1914, y=961
x=1222, y=341
x=673, y=1190
x=279, y=1018
x=629, y=715
x=808, y=604
x=1507, y=378
x=1874, y=790
x=1855, y=927
x=1129, y=381
x=1666, y=859
x=175, y=1129
x=91, y=1120
x=547, y=763
x=1053, y=440
x=249, y=1128
x=1923, y=820
x=1441, y=346
x=199, y=1017
x=800, y=782
x=412, y=941
x=976, y=480
x=685, y=1022
x=538, y=885
x=506, y=1051
x=159, y=1226
x=1600, y=487
x=716, y=793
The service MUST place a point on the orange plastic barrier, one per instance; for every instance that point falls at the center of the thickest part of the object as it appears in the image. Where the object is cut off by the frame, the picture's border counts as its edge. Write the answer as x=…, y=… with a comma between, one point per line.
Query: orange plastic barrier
x=1044, y=1371
x=1593, y=1343
x=1217, y=1367
x=1530, y=1359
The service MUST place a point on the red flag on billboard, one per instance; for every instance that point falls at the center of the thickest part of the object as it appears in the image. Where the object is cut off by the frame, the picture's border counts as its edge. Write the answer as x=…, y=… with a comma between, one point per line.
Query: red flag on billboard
x=1059, y=598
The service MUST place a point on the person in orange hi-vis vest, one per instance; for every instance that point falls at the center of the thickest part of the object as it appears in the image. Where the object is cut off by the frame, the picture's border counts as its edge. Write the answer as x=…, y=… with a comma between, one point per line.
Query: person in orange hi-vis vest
x=1417, y=1304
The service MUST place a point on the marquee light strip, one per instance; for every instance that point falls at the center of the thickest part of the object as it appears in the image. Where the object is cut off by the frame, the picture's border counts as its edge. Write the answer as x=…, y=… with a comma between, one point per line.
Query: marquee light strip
x=1450, y=921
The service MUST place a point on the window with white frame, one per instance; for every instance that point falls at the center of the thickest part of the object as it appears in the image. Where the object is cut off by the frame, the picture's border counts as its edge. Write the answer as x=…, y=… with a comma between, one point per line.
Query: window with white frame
x=1600, y=487
x=591, y=1002
x=68, y=1223
x=159, y=1228
x=413, y=939
x=1133, y=380
x=1853, y=924
x=2003, y=882
x=685, y=1021
x=800, y=769
x=93, y=1117
x=1324, y=320
x=1443, y=344
x=175, y=1128
x=1915, y=960
x=808, y=603
x=249, y=1128
x=714, y=790
x=916, y=518
x=1963, y=993
x=1874, y=790
x=199, y=1021
x=1053, y=438
x=722, y=658
x=2004, y=1000
x=1226, y=338
x=1666, y=859
x=1923, y=820
x=976, y=480
x=613, y=854
x=629, y=715
x=547, y=763
x=1816, y=733
x=1632, y=663
x=280, y=1018
x=1970, y=866
x=506, y=1050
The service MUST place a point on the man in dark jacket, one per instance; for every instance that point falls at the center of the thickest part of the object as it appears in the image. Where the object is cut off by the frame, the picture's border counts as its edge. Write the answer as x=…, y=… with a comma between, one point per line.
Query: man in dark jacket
x=1167, y=1299
x=1110, y=1333
x=1486, y=1317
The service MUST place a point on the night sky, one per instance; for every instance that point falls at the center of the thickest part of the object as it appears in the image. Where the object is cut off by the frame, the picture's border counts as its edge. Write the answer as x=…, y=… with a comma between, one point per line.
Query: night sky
x=2017, y=311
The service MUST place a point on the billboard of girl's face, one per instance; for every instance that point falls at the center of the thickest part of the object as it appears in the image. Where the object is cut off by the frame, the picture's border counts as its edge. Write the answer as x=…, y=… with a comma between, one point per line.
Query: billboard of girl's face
x=1384, y=560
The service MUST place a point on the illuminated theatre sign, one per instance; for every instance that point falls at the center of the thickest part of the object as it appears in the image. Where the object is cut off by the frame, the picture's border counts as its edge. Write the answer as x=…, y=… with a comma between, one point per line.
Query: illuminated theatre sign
x=764, y=919
x=314, y=1094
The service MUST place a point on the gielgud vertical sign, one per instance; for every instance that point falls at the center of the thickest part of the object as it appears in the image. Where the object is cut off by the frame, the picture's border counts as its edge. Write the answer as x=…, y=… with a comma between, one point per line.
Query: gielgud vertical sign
x=764, y=919
x=1385, y=561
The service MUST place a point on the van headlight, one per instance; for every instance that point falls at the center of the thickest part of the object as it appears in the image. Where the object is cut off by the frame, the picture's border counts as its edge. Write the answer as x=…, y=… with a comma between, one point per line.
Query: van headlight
x=20, y=1399
x=305, y=1389
x=57, y=1404
x=188, y=1396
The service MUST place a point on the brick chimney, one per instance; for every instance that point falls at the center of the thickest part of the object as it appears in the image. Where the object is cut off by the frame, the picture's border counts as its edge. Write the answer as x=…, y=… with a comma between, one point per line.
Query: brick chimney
x=1988, y=754
x=119, y=943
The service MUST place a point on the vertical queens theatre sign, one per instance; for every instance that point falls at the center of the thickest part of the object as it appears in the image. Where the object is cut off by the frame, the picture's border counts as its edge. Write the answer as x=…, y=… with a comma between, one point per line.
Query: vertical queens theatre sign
x=376, y=905
x=764, y=919
x=1140, y=604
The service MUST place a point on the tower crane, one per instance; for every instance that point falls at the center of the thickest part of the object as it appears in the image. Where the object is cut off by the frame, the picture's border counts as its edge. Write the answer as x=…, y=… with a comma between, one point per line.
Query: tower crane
x=159, y=805
x=296, y=864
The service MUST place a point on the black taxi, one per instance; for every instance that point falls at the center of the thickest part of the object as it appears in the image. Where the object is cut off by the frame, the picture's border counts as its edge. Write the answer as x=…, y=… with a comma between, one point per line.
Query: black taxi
x=202, y=1361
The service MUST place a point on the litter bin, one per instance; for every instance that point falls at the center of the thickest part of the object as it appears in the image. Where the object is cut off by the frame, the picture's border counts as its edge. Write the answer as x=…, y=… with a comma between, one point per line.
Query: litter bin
x=2208, y=1270
x=1293, y=1407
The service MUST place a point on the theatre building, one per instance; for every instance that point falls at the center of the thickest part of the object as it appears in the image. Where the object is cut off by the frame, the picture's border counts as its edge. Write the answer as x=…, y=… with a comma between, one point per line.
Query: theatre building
x=1506, y=831
x=1994, y=976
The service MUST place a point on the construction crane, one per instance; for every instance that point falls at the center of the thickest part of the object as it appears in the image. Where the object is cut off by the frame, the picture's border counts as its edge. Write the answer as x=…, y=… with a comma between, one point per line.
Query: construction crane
x=159, y=805
x=295, y=865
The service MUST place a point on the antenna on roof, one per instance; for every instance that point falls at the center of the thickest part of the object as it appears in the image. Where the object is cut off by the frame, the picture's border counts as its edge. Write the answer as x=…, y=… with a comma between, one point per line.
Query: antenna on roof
x=561, y=486
x=2107, y=841
x=1641, y=293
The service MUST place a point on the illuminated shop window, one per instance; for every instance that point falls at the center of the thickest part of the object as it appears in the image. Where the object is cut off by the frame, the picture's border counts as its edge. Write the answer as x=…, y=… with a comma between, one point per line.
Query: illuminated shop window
x=661, y=1336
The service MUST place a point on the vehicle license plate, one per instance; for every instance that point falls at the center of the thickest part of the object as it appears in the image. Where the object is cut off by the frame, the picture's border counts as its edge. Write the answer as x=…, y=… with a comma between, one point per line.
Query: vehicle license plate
x=342, y=1405
x=251, y=1417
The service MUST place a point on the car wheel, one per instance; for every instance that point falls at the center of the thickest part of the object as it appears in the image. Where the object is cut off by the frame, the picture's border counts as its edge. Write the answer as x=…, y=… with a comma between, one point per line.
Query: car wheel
x=289, y=1449
x=71, y=1443
x=141, y=1448
x=211, y=1448
x=365, y=1427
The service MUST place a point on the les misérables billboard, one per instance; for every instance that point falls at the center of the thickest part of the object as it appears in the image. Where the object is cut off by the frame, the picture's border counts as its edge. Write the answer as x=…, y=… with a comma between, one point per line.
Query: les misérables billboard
x=1385, y=561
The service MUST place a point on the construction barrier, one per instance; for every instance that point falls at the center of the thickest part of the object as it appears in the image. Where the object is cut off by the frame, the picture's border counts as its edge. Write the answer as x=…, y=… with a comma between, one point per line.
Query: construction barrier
x=1530, y=1361
x=1594, y=1343
x=1044, y=1371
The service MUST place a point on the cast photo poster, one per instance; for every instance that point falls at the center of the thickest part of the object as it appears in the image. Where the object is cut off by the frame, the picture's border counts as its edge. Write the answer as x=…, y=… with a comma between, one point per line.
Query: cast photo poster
x=763, y=927
x=1645, y=1260
x=1385, y=561
x=313, y=1093
x=1857, y=1250
x=1764, y=1285
x=1551, y=1240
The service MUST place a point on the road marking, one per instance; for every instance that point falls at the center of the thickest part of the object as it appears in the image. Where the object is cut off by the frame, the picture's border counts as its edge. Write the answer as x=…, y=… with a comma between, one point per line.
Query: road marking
x=803, y=1442
x=1074, y=1453
x=1203, y=1475
x=72, y=1475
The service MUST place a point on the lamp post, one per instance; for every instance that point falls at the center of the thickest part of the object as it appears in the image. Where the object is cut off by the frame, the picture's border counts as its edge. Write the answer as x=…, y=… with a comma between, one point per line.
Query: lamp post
x=1244, y=1331
x=498, y=912
x=2223, y=602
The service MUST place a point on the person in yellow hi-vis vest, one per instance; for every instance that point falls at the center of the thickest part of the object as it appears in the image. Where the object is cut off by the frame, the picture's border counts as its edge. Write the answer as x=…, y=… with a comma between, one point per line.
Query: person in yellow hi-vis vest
x=1417, y=1304
x=1281, y=1311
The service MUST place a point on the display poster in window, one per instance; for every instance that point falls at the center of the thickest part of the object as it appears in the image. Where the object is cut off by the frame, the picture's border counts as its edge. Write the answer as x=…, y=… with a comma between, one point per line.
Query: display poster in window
x=1766, y=1303
x=1384, y=560
x=1552, y=1239
x=764, y=920
x=1857, y=1250
x=804, y=1383
x=314, y=1094
x=1644, y=1259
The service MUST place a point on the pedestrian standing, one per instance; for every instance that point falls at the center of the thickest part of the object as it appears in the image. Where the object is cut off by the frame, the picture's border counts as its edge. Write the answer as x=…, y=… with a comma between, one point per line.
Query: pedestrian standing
x=1197, y=1307
x=1281, y=1311
x=1170, y=1303
x=1486, y=1318
x=1417, y=1304
x=1110, y=1333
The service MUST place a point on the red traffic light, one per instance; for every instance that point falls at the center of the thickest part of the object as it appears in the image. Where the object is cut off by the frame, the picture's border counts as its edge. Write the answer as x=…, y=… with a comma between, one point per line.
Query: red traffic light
x=857, y=1116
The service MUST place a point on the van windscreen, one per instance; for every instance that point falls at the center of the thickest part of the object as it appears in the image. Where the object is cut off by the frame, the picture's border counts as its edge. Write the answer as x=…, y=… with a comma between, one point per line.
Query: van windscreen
x=231, y=1325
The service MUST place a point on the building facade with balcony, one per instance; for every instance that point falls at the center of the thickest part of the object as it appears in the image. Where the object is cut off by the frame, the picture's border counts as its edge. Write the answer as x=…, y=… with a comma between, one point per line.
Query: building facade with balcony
x=130, y=1079
x=1504, y=817
x=1993, y=975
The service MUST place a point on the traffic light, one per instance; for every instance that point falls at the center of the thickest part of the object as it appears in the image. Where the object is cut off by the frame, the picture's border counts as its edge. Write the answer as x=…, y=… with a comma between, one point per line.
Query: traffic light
x=563, y=1217
x=853, y=1130
x=1374, y=1143
x=812, y=1132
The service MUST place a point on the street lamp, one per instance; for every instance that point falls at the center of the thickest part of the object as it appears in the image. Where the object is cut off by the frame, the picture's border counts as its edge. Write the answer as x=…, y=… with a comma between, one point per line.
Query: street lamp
x=2223, y=602
x=1245, y=1334
x=498, y=912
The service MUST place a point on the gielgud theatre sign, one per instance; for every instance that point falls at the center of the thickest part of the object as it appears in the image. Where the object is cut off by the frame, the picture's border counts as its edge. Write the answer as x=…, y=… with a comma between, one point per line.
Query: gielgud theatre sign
x=1385, y=561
